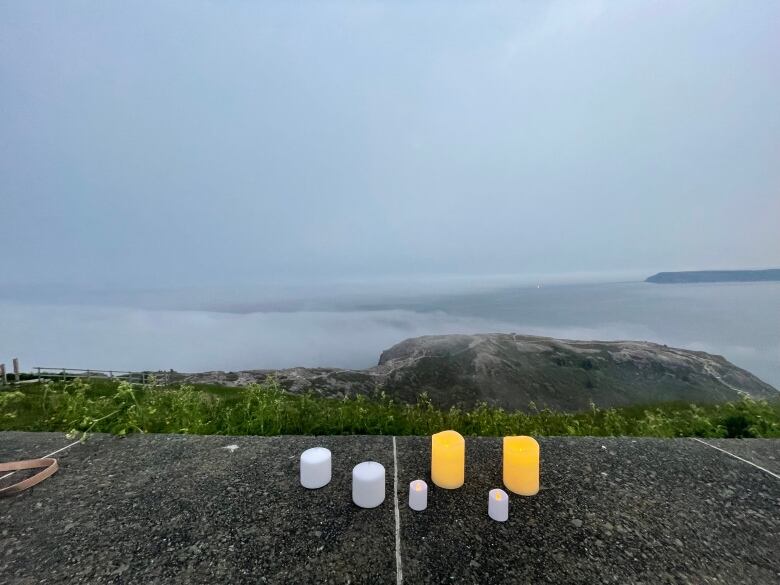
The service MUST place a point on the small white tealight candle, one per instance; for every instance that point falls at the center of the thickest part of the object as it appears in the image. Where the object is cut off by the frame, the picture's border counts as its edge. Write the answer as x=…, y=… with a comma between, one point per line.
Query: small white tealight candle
x=498, y=505
x=368, y=484
x=418, y=495
x=315, y=467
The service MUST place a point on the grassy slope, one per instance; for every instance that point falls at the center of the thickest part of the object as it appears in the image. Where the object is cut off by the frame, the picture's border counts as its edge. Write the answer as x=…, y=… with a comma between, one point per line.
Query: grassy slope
x=120, y=408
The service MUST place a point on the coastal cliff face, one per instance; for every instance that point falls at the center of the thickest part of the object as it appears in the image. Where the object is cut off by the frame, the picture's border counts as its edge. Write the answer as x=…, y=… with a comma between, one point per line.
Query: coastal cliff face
x=513, y=371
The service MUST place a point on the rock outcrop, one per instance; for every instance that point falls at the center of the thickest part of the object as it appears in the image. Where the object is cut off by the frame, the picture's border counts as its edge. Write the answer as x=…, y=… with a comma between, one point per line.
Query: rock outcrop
x=513, y=371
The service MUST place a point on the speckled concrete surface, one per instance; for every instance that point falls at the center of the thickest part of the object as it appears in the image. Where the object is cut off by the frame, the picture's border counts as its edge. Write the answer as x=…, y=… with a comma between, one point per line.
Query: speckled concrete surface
x=764, y=453
x=609, y=511
x=182, y=509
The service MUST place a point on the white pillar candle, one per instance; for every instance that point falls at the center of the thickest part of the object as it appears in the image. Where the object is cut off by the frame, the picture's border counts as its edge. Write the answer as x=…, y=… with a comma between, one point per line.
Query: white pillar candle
x=315, y=467
x=368, y=484
x=498, y=505
x=418, y=495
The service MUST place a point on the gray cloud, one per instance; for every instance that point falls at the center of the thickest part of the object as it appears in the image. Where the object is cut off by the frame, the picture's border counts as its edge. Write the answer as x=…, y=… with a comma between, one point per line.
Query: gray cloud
x=191, y=143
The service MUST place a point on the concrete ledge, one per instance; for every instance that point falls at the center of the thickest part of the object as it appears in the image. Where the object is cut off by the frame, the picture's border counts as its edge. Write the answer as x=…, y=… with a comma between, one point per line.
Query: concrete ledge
x=182, y=509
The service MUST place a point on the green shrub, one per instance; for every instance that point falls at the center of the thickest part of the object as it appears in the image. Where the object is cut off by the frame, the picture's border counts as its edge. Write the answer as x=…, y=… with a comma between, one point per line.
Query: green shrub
x=78, y=405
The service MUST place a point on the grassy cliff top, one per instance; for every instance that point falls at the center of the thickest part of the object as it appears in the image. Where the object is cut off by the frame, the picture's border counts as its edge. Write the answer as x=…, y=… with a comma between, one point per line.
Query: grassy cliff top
x=266, y=409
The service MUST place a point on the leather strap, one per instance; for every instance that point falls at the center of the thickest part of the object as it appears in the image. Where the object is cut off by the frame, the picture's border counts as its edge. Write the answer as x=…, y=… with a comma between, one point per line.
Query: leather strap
x=49, y=468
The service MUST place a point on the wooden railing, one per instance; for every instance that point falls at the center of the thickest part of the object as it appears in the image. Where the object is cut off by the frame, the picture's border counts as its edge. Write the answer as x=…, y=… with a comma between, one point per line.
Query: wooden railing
x=159, y=378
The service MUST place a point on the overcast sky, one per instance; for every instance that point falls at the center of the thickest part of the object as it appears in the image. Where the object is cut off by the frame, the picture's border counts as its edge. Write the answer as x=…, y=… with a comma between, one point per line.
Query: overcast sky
x=192, y=142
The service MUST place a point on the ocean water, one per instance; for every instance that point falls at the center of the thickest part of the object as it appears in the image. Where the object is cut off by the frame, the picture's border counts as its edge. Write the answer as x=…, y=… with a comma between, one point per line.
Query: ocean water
x=350, y=328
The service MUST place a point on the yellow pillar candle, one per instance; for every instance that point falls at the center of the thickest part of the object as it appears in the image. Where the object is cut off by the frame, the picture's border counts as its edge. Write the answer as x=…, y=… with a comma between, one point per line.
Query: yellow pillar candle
x=448, y=459
x=521, y=465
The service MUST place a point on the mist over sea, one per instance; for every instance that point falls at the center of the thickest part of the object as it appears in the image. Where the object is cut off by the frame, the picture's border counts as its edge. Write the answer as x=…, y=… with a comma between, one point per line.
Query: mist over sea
x=348, y=326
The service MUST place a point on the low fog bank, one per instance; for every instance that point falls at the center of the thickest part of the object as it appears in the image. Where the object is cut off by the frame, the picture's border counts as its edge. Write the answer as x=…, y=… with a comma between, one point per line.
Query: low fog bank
x=138, y=339
x=141, y=339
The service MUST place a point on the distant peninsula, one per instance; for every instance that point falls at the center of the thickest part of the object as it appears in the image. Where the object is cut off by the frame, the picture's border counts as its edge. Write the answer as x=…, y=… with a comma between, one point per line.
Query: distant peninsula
x=772, y=274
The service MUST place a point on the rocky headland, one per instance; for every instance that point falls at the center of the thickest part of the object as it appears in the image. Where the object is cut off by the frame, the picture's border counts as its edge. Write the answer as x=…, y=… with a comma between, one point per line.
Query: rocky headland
x=513, y=371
